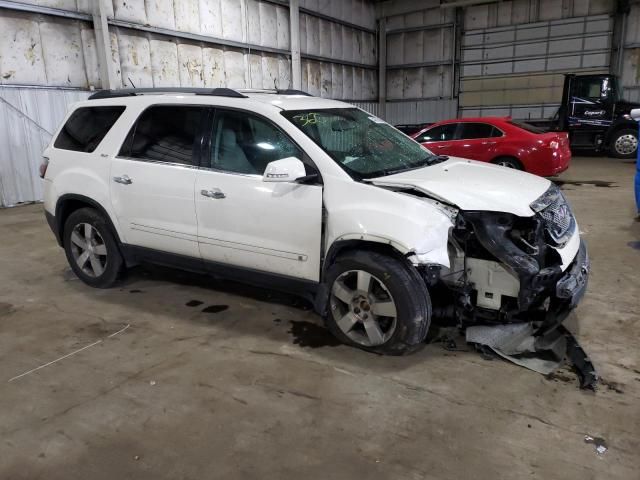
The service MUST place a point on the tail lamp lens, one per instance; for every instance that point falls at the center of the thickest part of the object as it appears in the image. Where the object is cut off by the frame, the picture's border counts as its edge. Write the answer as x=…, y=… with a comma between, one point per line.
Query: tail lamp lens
x=43, y=167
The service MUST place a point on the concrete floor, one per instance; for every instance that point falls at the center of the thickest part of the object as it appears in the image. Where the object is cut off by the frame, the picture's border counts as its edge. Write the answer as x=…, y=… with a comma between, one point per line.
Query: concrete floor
x=254, y=387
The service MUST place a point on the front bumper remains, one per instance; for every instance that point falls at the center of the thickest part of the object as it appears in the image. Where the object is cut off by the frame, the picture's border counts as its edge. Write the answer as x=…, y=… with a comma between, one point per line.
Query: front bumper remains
x=570, y=288
x=544, y=346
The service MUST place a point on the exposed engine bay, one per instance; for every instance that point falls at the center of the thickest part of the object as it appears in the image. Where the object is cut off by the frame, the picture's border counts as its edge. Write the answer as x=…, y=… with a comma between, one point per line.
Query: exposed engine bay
x=507, y=271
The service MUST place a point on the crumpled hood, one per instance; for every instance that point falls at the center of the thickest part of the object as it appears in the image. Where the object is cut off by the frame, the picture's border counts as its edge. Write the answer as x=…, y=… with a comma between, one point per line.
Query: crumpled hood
x=472, y=185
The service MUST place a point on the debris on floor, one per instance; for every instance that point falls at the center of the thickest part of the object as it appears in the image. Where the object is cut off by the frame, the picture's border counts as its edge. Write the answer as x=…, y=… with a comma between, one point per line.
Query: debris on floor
x=522, y=344
x=600, y=443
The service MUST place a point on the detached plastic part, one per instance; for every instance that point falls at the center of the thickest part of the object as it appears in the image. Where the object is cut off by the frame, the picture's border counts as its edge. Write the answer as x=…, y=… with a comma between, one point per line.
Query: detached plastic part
x=542, y=352
x=581, y=362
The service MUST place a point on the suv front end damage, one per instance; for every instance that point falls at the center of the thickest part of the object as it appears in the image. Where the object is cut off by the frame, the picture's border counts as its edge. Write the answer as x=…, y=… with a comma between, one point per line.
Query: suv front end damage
x=506, y=269
x=513, y=280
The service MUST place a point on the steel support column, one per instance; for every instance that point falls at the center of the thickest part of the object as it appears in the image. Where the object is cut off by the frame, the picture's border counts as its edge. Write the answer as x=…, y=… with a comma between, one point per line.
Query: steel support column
x=294, y=24
x=103, y=46
x=382, y=67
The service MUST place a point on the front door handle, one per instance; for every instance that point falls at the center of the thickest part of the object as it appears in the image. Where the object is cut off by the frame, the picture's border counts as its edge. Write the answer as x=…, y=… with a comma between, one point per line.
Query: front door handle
x=214, y=193
x=124, y=180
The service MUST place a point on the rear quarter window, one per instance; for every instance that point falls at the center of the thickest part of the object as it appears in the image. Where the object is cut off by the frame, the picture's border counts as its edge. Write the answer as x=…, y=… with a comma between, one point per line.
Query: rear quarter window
x=86, y=127
x=527, y=126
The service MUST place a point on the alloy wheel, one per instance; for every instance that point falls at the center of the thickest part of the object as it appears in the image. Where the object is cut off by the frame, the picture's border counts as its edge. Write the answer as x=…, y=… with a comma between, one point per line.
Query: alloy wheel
x=626, y=144
x=88, y=249
x=506, y=163
x=363, y=308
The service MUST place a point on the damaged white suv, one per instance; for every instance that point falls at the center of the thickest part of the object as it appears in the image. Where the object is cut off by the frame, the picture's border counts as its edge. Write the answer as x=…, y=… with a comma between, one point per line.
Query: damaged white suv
x=315, y=197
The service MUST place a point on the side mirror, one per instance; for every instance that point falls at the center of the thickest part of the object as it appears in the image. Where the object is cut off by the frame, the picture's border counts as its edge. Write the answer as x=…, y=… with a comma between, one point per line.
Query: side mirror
x=635, y=114
x=285, y=170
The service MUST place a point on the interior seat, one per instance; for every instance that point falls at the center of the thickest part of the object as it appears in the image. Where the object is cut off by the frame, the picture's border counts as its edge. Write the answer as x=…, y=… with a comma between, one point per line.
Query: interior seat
x=230, y=156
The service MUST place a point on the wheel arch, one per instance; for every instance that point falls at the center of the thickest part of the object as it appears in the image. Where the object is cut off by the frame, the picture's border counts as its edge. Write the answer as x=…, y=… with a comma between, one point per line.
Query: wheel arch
x=69, y=203
x=616, y=127
x=509, y=157
x=346, y=245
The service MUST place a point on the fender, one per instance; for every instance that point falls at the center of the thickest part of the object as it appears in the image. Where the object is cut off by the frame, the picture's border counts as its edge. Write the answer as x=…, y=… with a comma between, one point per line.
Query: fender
x=410, y=223
x=61, y=212
x=619, y=124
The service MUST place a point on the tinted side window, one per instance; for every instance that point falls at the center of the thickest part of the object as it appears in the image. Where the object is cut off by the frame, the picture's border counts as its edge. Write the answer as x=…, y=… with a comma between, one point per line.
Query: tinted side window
x=439, y=134
x=527, y=127
x=86, y=128
x=588, y=88
x=478, y=130
x=165, y=133
x=245, y=143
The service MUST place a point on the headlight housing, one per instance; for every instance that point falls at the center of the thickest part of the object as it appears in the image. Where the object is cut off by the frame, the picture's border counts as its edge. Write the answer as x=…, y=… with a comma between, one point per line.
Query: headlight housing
x=553, y=208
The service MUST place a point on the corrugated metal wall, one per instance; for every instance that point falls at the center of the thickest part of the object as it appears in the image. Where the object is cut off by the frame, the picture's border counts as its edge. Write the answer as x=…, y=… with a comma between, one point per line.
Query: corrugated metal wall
x=156, y=43
x=514, y=53
x=28, y=116
x=631, y=55
x=352, y=42
x=420, y=39
x=187, y=43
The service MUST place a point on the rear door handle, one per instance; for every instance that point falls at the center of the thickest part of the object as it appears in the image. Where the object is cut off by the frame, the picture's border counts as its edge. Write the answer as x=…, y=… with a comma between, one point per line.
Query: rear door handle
x=214, y=193
x=124, y=180
x=442, y=146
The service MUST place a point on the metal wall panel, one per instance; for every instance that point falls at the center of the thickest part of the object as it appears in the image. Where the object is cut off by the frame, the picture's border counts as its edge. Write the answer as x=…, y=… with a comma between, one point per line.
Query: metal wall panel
x=518, y=70
x=420, y=54
x=69, y=5
x=420, y=65
x=348, y=45
x=33, y=115
x=46, y=50
x=358, y=12
x=371, y=107
x=420, y=111
x=516, y=12
x=169, y=43
x=631, y=57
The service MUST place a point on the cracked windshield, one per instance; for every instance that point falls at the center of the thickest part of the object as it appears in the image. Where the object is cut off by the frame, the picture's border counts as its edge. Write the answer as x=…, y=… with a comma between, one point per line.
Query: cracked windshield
x=364, y=145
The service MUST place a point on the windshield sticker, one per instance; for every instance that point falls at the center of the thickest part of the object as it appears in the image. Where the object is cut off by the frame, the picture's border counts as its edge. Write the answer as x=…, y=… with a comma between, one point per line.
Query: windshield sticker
x=307, y=119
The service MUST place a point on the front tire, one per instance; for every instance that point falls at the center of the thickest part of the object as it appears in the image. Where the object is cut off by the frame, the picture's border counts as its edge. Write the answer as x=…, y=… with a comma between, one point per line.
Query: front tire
x=624, y=144
x=91, y=248
x=377, y=303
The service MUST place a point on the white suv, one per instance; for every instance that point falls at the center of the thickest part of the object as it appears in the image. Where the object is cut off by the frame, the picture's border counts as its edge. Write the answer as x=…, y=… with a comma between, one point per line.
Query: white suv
x=313, y=196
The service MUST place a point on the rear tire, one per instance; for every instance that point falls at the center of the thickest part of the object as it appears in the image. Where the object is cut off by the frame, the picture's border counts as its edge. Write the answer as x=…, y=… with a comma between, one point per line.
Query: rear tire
x=377, y=303
x=624, y=144
x=508, y=162
x=91, y=248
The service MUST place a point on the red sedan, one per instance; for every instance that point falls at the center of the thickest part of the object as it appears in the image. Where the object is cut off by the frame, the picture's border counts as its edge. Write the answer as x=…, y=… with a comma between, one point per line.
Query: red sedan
x=502, y=141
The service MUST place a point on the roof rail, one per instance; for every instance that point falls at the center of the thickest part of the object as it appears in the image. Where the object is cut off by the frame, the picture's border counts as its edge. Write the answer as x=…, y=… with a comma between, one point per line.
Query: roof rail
x=274, y=91
x=130, y=92
x=290, y=91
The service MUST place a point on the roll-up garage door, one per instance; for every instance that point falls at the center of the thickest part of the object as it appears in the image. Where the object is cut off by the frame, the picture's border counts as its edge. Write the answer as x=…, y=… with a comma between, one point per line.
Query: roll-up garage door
x=518, y=70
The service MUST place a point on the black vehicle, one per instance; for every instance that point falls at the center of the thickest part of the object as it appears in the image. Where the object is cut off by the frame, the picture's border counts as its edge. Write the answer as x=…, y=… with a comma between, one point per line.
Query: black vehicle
x=595, y=116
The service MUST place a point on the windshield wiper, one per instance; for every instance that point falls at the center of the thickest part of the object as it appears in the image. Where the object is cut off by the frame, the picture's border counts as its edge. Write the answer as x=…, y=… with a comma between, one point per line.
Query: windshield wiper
x=424, y=162
x=439, y=159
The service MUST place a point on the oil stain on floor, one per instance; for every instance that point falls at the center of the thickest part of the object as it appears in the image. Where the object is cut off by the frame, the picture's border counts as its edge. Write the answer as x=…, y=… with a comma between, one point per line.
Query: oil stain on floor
x=215, y=308
x=308, y=334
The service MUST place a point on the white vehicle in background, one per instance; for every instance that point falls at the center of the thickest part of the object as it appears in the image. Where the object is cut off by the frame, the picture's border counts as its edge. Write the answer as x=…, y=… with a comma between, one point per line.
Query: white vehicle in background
x=314, y=197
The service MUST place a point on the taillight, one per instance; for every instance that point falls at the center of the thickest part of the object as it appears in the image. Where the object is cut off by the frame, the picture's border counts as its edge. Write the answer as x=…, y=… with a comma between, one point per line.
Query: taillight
x=43, y=167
